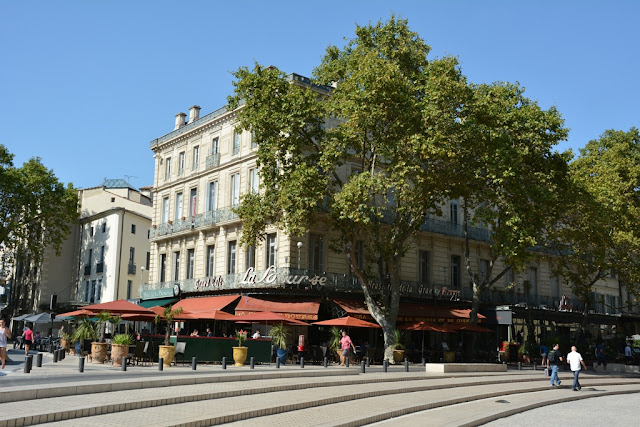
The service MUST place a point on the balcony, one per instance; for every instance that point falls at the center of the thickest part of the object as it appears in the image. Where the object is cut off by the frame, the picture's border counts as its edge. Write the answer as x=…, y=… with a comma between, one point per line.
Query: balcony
x=100, y=267
x=213, y=161
x=201, y=220
x=457, y=230
x=87, y=270
x=131, y=268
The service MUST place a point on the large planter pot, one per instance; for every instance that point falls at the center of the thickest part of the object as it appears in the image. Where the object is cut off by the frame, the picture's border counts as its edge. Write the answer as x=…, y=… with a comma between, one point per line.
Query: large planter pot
x=167, y=353
x=398, y=356
x=282, y=354
x=65, y=344
x=449, y=356
x=99, y=352
x=240, y=355
x=118, y=351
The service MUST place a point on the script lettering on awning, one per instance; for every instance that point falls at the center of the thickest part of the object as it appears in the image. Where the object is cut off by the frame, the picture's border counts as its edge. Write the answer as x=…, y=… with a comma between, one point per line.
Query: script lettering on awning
x=271, y=276
x=209, y=283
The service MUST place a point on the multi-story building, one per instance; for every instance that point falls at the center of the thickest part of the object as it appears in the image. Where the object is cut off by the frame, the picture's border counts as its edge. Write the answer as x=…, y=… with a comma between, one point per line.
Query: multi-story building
x=203, y=167
x=113, y=247
x=105, y=256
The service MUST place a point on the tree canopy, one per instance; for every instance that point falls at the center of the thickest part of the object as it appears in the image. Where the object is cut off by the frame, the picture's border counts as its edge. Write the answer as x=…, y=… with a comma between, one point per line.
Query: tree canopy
x=381, y=137
x=36, y=210
x=598, y=236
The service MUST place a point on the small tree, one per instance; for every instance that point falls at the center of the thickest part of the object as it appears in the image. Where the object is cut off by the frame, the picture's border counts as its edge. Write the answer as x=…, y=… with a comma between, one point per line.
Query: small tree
x=105, y=317
x=241, y=336
x=167, y=317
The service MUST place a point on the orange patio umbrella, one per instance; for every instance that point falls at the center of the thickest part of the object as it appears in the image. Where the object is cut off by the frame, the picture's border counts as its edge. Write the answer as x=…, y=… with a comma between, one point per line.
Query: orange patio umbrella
x=118, y=307
x=468, y=327
x=425, y=326
x=347, y=321
x=77, y=313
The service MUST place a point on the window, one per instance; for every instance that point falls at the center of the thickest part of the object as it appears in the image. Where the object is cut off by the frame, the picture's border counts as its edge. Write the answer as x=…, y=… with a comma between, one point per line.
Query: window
x=455, y=272
x=91, y=232
x=190, y=263
x=212, y=196
x=453, y=212
x=231, y=258
x=196, y=157
x=167, y=168
x=533, y=281
x=99, y=290
x=100, y=266
x=235, y=189
x=236, y=142
x=87, y=289
x=359, y=252
x=177, y=214
x=176, y=265
x=193, y=202
x=316, y=253
x=129, y=284
x=211, y=258
x=148, y=261
x=253, y=180
x=555, y=287
x=92, y=292
x=423, y=272
x=133, y=229
x=90, y=257
x=104, y=227
x=250, y=257
x=271, y=250
x=254, y=143
x=181, y=163
x=215, y=146
x=132, y=255
x=163, y=267
x=165, y=210
x=484, y=270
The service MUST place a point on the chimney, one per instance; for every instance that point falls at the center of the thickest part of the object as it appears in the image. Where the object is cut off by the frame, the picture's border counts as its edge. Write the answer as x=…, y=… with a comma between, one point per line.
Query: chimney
x=180, y=120
x=194, y=113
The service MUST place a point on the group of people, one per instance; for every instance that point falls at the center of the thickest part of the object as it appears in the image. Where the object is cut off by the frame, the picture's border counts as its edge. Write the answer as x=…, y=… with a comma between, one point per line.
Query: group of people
x=576, y=363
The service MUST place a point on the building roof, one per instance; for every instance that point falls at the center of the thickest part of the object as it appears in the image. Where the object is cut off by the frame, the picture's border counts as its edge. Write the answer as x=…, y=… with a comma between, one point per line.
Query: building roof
x=117, y=183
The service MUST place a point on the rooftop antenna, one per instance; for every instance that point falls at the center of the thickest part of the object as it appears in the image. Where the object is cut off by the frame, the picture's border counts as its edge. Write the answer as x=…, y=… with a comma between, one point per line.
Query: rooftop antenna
x=128, y=177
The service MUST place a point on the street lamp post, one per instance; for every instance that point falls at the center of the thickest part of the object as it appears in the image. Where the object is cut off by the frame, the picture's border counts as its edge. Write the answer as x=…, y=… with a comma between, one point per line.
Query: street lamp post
x=299, y=244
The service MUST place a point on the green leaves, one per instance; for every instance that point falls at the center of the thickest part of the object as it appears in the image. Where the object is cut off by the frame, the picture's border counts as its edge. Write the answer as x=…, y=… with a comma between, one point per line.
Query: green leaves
x=36, y=210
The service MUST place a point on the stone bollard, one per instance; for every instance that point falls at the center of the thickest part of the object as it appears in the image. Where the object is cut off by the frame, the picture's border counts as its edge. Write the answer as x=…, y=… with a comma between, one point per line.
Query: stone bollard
x=385, y=365
x=81, y=364
x=224, y=362
x=346, y=361
x=362, y=366
x=124, y=363
x=368, y=362
x=277, y=363
x=406, y=365
x=326, y=362
x=535, y=366
x=39, y=360
x=55, y=356
x=194, y=363
x=160, y=363
x=252, y=363
x=519, y=366
x=424, y=362
x=27, y=364
x=302, y=362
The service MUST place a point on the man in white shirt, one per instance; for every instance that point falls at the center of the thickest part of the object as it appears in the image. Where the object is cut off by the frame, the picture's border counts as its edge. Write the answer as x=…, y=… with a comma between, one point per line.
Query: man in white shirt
x=256, y=335
x=575, y=361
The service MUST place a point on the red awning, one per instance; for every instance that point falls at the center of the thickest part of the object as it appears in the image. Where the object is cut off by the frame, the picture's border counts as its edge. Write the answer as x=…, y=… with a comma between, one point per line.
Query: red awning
x=193, y=305
x=117, y=307
x=410, y=312
x=347, y=321
x=293, y=309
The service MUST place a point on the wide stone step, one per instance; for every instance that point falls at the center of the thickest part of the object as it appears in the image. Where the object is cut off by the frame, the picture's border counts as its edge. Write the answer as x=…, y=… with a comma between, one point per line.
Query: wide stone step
x=278, y=399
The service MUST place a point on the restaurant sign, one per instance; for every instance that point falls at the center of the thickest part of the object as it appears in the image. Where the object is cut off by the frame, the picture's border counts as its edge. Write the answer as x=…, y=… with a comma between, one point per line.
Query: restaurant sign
x=296, y=316
x=270, y=276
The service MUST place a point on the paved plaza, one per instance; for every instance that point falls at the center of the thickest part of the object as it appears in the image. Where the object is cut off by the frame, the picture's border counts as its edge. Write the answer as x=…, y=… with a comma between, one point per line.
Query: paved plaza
x=58, y=394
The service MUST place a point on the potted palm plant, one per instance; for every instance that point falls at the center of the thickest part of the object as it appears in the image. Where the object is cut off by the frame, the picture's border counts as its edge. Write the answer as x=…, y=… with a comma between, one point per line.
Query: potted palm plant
x=334, y=341
x=84, y=331
x=120, y=348
x=65, y=341
x=99, y=347
x=279, y=339
x=397, y=343
x=240, y=352
x=167, y=351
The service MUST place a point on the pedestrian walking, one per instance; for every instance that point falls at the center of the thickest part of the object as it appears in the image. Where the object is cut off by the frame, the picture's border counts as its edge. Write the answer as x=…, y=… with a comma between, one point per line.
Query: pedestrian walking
x=554, y=358
x=345, y=344
x=28, y=339
x=5, y=334
x=543, y=352
x=600, y=357
x=576, y=362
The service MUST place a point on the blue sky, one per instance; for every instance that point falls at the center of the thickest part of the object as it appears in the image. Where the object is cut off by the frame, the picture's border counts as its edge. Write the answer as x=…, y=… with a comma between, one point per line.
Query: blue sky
x=86, y=85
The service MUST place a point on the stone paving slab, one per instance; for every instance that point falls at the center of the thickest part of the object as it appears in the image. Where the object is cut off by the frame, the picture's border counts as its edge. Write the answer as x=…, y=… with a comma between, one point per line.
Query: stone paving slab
x=371, y=410
x=372, y=403
x=483, y=411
